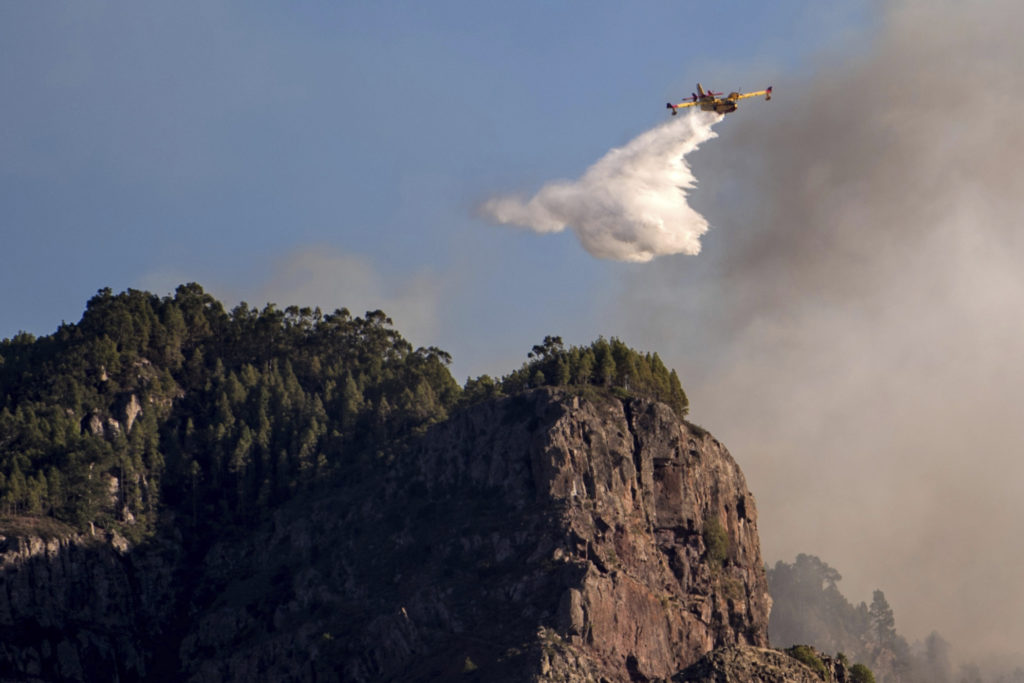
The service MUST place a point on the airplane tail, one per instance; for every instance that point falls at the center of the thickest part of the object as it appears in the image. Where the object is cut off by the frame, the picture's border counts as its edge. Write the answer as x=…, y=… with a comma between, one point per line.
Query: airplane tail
x=768, y=93
x=700, y=90
x=672, y=107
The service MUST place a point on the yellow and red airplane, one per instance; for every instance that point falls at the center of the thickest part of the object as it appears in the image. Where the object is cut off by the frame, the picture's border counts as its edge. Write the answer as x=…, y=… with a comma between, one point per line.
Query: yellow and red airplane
x=711, y=101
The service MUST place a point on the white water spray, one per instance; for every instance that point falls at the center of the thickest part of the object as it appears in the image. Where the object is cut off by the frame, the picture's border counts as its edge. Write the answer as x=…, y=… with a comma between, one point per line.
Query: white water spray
x=631, y=204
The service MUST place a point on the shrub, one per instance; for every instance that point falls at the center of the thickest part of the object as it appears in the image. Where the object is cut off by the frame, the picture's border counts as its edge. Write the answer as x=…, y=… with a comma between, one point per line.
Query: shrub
x=806, y=655
x=861, y=674
x=716, y=542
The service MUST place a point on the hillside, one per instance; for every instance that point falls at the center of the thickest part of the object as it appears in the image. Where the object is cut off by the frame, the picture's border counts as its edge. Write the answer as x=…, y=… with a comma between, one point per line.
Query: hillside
x=152, y=404
x=195, y=494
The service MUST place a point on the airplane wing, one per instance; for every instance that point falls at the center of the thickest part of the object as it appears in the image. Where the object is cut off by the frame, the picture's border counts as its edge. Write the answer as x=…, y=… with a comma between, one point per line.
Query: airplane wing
x=767, y=94
x=681, y=105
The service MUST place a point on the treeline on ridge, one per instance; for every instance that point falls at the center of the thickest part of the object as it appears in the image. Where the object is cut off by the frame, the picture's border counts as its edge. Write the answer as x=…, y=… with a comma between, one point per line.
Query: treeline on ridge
x=605, y=363
x=149, y=402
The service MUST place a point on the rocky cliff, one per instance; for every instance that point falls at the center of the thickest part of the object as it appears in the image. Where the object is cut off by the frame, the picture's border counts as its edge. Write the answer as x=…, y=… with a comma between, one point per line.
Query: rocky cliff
x=743, y=664
x=546, y=536
x=81, y=607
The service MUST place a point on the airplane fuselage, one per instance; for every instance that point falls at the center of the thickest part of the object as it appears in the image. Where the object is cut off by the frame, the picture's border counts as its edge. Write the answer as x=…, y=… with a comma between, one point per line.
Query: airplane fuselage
x=719, y=106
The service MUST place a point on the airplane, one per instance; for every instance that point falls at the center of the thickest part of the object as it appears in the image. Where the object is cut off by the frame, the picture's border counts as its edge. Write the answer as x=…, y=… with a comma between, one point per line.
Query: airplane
x=711, y=101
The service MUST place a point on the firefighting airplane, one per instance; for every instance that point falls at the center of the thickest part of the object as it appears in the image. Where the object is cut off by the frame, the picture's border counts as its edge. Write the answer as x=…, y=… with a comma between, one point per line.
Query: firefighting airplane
x=710, y=101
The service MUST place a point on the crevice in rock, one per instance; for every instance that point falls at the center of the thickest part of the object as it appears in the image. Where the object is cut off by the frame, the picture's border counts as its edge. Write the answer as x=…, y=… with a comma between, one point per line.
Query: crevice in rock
x=596, y=559
x=633, y=669
x=627, y=408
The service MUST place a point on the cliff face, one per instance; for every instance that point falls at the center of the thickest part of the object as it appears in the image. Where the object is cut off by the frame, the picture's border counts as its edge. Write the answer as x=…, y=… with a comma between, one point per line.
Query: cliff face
x=541, y=537
x=76, y=607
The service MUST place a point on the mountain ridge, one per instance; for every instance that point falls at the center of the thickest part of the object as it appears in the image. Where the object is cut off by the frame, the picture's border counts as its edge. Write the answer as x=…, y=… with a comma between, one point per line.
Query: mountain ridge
x=197, y=494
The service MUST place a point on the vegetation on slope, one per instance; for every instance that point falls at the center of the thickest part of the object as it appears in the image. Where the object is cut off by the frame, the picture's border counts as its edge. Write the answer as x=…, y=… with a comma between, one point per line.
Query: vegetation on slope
x=221, y=413
x=153, y=403
x=609, y=364
x=807, y=607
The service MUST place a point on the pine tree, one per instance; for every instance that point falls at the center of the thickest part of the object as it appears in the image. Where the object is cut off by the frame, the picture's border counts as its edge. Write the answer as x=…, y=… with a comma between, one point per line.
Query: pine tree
x=605, y=363
x=883, y=623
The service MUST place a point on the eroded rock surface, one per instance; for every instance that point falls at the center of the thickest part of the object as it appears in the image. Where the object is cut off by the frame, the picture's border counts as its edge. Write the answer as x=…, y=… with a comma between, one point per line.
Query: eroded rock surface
x=739, y=664
x=77, y=607
x=540, y=537
x=546, y=537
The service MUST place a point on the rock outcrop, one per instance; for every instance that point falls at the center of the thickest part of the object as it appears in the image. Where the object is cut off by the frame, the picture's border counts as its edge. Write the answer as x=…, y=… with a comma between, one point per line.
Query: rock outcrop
x=546, y=536
x=79, y=608
x=738, y=664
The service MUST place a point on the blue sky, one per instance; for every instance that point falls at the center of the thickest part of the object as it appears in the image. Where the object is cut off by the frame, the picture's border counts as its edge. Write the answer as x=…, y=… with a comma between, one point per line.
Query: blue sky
x=851, y=328
x=145, y=145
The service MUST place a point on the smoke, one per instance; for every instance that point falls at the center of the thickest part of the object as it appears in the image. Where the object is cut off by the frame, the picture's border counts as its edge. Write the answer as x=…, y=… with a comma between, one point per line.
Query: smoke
x=857, y=338
x=631, y=204
x=329, y=278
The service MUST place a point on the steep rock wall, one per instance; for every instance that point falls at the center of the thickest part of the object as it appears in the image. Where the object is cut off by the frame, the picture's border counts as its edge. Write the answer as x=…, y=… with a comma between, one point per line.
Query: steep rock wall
x=540, y=537
x=545, y=536
x=77, y=607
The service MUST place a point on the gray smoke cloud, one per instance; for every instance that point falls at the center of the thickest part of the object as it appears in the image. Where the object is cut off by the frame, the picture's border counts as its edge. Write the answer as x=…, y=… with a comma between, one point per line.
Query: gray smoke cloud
x=631, y=204
x=328, y=278
x=854, y=329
